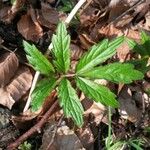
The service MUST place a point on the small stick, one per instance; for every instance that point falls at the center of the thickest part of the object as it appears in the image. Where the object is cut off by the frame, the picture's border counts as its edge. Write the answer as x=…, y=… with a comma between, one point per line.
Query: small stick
x=36, y=128
x=37, y=74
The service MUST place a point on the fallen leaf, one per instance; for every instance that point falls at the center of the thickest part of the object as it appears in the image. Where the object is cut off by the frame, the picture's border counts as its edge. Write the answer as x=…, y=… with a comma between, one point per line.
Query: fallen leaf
x=20, y=83
x=6, y=99
x=8, y=66
x=76, y=52
x=29, y=29
x=128, y=109
x=8, y=13
x=64, y=139
x=86, y=42
x=47, y=16
x=17, y=5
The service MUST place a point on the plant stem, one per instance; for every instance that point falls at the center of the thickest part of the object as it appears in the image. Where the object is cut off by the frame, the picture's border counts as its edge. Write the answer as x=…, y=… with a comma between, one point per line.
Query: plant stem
x=37, y=74
x=109, y=127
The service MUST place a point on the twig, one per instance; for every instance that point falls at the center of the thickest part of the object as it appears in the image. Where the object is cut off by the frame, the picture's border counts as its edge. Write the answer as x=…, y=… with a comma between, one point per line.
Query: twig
x=37, y=74
x=36, y=128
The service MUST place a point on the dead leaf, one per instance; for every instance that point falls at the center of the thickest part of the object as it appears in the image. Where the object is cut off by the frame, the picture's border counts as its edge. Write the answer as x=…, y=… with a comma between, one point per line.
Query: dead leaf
x=20, y=83
x=18, y=4
x=86, y=137
x=29, y=29
x=24, y=121
x=65, y=138
x=86, y=42
x=128, y=109
x=47, y=16
x=6, y=99
x=8, y=13
x=76, y=52
x=8, y=66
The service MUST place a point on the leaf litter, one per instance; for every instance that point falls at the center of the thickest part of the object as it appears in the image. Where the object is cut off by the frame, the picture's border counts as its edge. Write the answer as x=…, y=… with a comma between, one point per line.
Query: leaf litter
x=35, y=22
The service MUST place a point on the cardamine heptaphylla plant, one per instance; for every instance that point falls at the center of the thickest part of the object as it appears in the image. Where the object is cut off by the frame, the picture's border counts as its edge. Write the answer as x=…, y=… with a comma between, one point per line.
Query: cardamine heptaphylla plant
x=57, y=74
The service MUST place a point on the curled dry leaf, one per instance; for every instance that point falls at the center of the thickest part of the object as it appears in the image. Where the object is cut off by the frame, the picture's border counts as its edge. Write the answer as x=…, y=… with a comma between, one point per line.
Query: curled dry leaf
x=47, y=16
x=29, y=29
x=8, y=66
x=20, y=83
x=86, y=42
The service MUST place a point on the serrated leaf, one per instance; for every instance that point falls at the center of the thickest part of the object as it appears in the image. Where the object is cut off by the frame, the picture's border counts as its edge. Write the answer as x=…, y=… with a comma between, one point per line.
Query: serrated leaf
x=70, y=102
x=98, y=54
x=37, y=59
x=115, y=72
x=43, y=89
x=140, y=49
x=97, y=92
x=61, y=50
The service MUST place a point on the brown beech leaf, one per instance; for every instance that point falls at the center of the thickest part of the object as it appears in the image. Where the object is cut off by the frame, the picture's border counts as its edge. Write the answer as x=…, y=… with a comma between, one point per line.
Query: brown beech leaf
x=29, y=29
x=47, y=16
x=20, y=83
x=6, y=99
x=8, y=65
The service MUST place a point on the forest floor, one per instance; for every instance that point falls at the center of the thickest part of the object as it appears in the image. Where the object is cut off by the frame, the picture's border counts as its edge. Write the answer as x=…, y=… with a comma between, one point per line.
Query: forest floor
x=35, y=21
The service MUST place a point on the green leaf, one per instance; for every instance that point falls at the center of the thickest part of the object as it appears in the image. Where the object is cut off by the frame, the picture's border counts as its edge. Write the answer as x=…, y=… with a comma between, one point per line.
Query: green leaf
x=43, y=89
x=140, y=64
x=98, y=54
x=146, y=42
x=37, y=59
x=70, y=102
x=116, y=72
x=61, y=50
x=140, y=49
x=97, y=92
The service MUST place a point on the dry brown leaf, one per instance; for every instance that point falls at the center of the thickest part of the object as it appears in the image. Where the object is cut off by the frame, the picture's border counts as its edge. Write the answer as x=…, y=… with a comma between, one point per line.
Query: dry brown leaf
x=20, y=83
x=5, y=16
x=8, y=13
x=8, y=66
x=47, y=16
x=29, y=29
x=24, y=121
x=18, y=4
x=128, y=109
x=6, y=99
x=64, y=139
x=86, y=42
x=76, y=52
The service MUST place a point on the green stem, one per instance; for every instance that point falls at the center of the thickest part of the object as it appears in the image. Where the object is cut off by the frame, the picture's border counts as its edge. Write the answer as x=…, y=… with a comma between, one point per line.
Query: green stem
x=109, y=127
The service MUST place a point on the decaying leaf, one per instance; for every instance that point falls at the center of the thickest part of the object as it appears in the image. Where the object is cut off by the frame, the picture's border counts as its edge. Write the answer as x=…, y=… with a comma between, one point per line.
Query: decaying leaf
x=48, y=16
x=65, y=138
x=8, y=13
x=128, y=109
x=20, y=83
x=6, y=99
x=29, y=28
x=8, y=66
x=76, y=52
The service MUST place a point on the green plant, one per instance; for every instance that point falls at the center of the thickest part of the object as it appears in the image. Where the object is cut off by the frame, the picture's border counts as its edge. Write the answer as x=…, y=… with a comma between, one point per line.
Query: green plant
x=57, y=74
x=125, y=144
x=25, y=146
x=143, y=49
x=111, y=144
